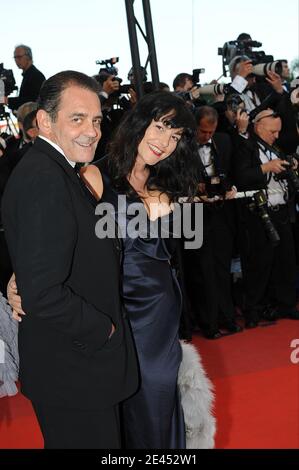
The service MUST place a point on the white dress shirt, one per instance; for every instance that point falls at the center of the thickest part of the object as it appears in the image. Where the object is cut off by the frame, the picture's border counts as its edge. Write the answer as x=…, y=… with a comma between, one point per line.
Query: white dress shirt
x=58, y=149
x=205, y=153
x=279, y=187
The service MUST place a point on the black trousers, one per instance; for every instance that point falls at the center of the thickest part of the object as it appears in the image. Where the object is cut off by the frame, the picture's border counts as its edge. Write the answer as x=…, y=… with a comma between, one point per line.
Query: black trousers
x=208, y=276
x=269, y=272
x=78, y=429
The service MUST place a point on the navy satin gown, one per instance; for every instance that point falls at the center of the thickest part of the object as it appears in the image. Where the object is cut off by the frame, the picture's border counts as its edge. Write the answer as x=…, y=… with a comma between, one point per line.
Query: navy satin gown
x=153, y=417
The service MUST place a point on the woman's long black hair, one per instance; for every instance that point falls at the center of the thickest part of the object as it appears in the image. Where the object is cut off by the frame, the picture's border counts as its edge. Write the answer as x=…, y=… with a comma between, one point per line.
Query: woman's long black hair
x=177, y=175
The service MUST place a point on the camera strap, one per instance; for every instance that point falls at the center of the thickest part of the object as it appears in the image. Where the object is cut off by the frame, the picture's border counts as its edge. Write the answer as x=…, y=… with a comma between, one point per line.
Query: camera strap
x=268, y=151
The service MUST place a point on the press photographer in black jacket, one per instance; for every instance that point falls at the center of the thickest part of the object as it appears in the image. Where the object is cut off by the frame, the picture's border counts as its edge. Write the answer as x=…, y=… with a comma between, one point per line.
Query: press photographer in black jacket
x=268, y=271
x=208, y=268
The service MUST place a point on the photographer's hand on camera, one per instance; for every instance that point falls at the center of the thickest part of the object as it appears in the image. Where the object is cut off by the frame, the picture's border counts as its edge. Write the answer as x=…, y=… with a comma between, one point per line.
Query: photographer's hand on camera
x=195, y=93
x=244, y=68
x=274, y=166
x=275, y=81
x=242, y=121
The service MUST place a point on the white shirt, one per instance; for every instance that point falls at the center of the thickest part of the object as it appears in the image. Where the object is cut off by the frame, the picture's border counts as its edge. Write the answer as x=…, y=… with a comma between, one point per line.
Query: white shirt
x=278, y=197
x=205, y=154
x=58, y=149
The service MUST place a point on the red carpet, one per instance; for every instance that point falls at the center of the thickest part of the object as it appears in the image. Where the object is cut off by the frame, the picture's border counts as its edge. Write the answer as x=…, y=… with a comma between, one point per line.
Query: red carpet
x=256, y=385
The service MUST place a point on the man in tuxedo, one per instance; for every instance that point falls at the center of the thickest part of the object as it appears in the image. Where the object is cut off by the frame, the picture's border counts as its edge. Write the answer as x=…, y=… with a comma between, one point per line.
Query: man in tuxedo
x=32, y=77
x=208, y=268
x=77, y=360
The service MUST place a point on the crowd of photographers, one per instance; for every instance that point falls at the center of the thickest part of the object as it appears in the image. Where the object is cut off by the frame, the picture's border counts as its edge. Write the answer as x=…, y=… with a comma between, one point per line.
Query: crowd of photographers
x=247, y=133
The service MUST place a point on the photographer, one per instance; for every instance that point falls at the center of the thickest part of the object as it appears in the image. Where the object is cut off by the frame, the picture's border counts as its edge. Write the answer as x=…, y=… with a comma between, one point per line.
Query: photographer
x=112, y=113
x=184, y=86
x=269, y=89
x=208, y=268
x=233, y=118
x=32, y=77
x=244, y=82
x=268, y=268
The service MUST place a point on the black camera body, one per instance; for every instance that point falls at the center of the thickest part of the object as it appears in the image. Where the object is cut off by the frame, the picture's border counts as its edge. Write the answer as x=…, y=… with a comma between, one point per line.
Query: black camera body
x=109, y=64
x=259, y=206
x=231, y=49
x=216, y=185
x=7, y=76
x=289, y=173
x=233, y=102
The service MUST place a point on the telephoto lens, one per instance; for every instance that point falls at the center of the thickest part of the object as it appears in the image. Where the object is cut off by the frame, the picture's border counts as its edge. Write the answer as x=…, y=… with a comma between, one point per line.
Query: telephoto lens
x=263, y=69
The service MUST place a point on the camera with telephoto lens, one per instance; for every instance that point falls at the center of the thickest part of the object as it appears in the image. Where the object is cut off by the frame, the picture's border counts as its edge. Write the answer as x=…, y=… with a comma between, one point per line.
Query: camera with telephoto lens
x=213, y=89
x=231, y=49
x=262, y=69
x=289, y=173
x=259, y=206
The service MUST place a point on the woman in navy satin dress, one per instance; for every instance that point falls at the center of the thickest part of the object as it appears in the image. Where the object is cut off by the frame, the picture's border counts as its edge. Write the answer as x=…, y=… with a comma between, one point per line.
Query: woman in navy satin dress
x=152, y=418
x=152, y=160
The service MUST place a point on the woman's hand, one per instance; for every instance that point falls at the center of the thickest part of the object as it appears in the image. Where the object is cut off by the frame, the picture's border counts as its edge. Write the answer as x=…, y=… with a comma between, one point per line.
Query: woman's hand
x=14, y=299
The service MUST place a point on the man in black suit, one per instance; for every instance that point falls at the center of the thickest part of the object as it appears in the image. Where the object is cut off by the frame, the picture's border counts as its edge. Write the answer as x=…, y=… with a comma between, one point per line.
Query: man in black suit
x=77, y=360
x=269, y=269
x=32, y=77
x=208, y=268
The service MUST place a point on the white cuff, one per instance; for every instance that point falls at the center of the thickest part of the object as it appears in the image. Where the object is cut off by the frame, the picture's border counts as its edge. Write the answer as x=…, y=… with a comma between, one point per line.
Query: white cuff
x=239, y=83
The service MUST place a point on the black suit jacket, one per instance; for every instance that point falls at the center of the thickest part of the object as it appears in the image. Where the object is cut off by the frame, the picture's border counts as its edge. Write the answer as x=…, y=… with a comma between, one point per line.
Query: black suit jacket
x=247, y=165
x=69, y=281
x=30, y=86
x=223, y=153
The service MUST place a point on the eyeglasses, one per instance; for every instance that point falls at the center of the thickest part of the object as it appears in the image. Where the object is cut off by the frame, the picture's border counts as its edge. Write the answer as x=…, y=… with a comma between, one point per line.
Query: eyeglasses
x=18, y=56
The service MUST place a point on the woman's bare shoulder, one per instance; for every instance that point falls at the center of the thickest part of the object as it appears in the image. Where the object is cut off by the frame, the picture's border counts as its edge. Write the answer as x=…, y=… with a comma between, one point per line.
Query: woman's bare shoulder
x=93, y=180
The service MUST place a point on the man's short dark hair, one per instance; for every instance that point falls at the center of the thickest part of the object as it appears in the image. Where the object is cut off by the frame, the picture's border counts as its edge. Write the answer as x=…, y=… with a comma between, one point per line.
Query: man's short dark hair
x=28, y=122
x=180, y=79
x=52, y=89
x=206, y=112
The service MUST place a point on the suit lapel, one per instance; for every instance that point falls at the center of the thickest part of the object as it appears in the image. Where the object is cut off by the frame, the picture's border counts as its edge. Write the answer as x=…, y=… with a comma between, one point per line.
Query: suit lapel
x=59, y=159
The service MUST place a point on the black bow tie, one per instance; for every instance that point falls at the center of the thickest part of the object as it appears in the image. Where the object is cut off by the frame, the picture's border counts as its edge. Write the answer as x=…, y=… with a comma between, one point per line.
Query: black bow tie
x=208, y=145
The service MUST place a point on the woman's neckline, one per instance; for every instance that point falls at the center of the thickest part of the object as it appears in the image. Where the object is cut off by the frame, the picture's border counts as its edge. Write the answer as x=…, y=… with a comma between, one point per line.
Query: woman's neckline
x=139, y=197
